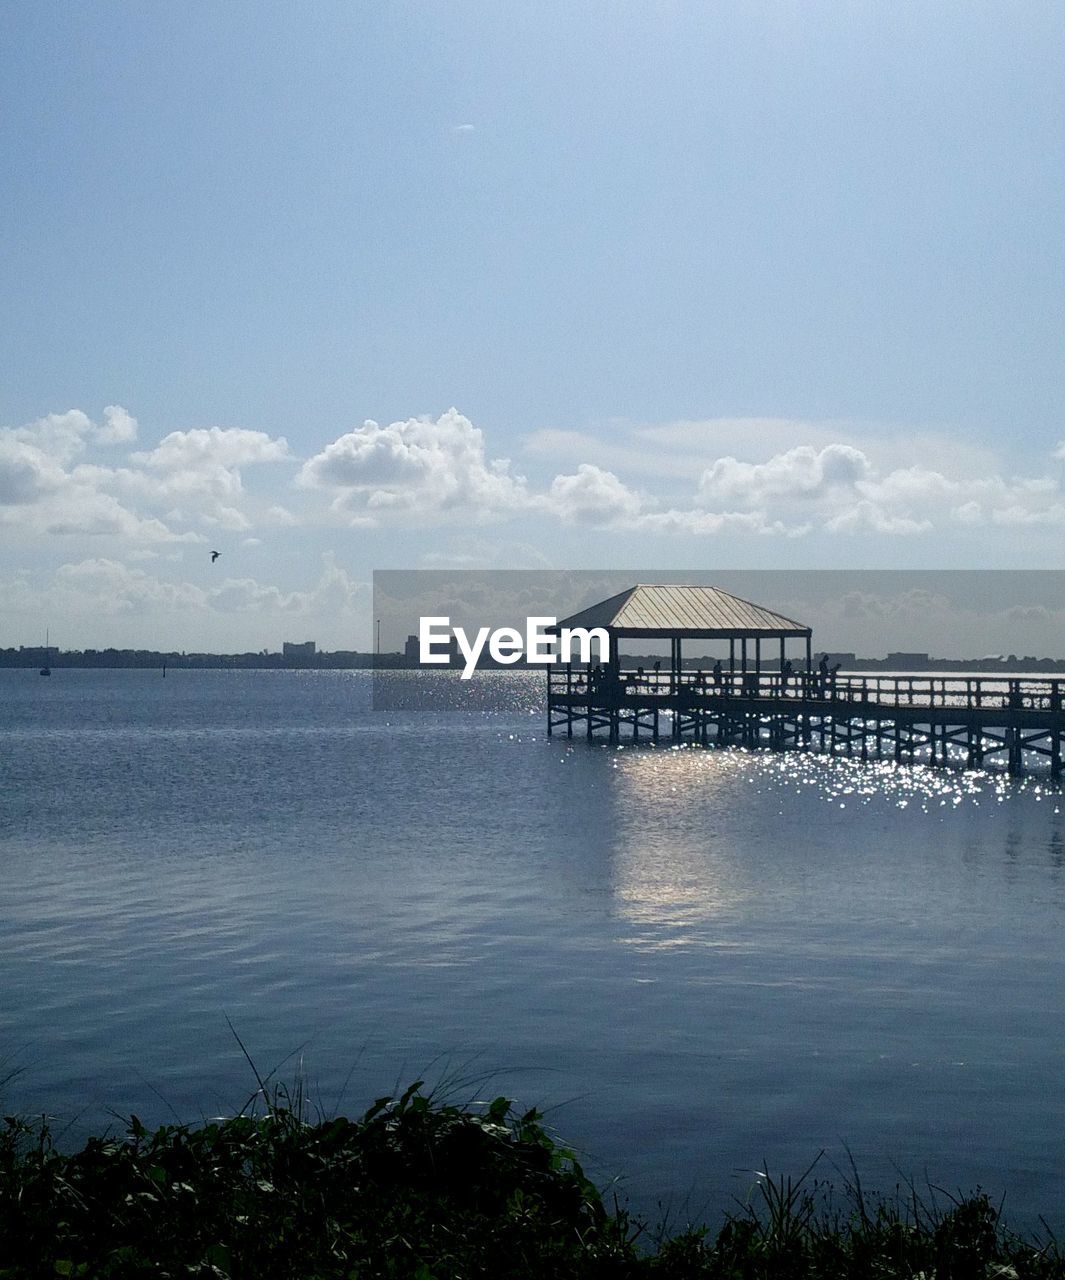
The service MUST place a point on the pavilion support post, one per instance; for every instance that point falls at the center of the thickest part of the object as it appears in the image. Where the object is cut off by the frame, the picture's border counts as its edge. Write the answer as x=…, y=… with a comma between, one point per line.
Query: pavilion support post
x=1013, y=737
x=732, y=656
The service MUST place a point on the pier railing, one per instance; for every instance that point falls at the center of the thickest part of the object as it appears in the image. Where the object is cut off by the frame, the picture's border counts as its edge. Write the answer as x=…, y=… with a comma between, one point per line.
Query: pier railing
x=947, y=691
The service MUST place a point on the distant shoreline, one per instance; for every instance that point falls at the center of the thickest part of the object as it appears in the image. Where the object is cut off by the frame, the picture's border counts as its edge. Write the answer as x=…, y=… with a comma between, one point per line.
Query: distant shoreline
x=354, y=660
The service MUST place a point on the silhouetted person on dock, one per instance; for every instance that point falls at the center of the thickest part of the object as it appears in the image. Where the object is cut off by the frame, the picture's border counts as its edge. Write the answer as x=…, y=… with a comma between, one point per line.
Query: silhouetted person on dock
x=822, y=675
x=786, y=672
x=717, y=674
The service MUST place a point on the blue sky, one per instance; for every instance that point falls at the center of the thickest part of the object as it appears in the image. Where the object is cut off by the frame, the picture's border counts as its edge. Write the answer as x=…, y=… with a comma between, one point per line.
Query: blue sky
x=659, y=285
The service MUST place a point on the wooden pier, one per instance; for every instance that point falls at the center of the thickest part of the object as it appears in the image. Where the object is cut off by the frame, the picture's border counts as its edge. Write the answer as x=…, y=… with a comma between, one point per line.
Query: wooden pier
x=967, y=722
x=964, y=722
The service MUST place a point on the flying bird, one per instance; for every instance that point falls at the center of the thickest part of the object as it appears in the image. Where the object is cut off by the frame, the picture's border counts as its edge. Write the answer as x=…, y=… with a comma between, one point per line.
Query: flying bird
x=215, y=555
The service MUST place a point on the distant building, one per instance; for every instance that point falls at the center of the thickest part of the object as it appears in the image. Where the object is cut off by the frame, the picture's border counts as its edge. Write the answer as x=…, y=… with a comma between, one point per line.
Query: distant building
x=907, y=661
x=305, y=650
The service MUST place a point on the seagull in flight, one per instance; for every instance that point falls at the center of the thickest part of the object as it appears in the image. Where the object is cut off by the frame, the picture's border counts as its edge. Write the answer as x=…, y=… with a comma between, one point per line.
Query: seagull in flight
x=215, y=555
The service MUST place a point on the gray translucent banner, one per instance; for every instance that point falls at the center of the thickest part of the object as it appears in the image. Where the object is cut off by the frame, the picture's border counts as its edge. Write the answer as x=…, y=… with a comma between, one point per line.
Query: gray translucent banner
x=993, y=621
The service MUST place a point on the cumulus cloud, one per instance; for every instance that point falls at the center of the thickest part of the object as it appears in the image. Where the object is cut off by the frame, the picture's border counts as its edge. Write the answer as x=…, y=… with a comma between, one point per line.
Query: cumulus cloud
x=63, y=436
x=867, y=517
x=422, y=470
x=803, y=473
x=592, y=496
x=208, y=449
x=707, y=523
x=673, y=481
x=198, y=474
x=49, y=483
x=26, y=473
x=420, y=466
x=118, y=426
x=58, y=436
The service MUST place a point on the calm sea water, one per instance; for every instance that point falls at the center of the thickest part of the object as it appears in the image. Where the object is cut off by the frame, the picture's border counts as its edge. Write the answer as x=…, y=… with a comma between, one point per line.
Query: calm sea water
x=699, y=961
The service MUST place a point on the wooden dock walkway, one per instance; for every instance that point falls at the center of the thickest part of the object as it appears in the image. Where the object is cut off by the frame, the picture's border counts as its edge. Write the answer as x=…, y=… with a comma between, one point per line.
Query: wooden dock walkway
x=962, y=721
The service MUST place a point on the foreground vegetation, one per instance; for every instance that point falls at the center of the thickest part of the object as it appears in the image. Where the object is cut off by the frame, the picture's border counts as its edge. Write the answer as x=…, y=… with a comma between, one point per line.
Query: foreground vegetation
x=424, y=1189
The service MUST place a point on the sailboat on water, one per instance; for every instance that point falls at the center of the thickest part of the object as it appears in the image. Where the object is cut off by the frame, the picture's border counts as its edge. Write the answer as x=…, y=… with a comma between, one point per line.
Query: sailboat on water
x=46, y=670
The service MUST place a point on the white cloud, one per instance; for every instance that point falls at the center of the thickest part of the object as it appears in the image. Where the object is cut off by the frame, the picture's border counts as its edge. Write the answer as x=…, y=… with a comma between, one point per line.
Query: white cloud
x=1021, y=515
x=421, y=470
x=867, y=517
x=209, y=449
x=113, y=587
x=416, y=468
x=58, y=436
x=26, y=473
x=801, y=474
x=707, y=523
x=118, y=426
x=49, y=484
x=63, y=436
x=592, y=496
x=197, y=475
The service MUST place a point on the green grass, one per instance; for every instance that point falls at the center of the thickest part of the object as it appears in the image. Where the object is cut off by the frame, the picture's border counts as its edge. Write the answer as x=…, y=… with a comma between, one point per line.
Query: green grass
x=421, y=1188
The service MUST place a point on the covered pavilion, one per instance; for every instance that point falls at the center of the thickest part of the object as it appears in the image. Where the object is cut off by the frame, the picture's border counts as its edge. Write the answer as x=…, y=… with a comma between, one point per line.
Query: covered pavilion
x=679, y=613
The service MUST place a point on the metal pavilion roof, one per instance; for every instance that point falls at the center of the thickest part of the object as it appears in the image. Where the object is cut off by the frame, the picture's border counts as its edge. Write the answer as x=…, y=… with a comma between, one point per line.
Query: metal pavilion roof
x=688, y=612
